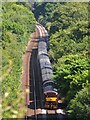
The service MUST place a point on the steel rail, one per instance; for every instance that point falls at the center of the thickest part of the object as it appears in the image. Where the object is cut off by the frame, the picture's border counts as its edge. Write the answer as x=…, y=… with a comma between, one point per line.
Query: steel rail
x=38, y=28
x=34, y=95
x=25, y=76
x=42, y=30
x=46, y=33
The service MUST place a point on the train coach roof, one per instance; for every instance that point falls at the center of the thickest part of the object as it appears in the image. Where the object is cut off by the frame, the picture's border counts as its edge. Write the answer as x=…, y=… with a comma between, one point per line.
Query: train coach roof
x=42, y=47
x=44, y=58
x=42, y=52
x=47, y=71
x=47, y=76
x=47, y=67
x=48, y=81
x=43, y=66
x=43, y=40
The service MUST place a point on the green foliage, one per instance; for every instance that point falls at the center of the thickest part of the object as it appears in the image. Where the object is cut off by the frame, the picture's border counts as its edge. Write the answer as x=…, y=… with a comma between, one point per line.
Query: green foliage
x=71, y=74
x=61, y=44
x=69, y=53
x=80, y=105
x=25, y=4
x=44, y=10
x=69, y=14
x=17, y=24
x=68, y=27
x=49, y=11
x=72, y=35
x=39, y=9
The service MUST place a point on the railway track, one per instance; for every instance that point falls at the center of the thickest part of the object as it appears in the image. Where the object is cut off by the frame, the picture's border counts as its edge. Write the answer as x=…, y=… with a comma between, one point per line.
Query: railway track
x=26, y=75
x=32, y=83
x=48, y=115
x=53, y=115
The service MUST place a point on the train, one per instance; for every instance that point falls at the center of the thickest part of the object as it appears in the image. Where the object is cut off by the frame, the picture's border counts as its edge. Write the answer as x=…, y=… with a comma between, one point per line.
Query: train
x=51, y=96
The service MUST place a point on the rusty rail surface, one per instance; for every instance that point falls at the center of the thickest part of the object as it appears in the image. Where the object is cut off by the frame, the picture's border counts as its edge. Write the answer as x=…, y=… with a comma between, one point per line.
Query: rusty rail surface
x=33, y=43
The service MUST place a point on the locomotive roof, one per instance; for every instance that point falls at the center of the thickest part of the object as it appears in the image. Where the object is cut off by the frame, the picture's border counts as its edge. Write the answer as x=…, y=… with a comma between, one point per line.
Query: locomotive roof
x=51, y=91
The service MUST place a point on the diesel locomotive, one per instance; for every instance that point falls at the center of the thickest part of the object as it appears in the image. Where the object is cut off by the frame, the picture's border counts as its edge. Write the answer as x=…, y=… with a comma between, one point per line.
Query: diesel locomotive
x=51, y=96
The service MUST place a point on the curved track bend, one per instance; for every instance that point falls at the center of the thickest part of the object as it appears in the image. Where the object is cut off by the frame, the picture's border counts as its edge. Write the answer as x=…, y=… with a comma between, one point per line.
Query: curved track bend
x=32, y=82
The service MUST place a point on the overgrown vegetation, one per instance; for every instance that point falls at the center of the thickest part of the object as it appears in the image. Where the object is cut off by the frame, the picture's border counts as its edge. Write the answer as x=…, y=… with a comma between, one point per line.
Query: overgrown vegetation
x=68, y=27
x=18, y=23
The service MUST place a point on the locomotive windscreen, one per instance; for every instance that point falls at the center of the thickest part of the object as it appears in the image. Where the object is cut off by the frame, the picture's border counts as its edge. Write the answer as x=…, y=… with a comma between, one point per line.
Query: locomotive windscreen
x=51, y=93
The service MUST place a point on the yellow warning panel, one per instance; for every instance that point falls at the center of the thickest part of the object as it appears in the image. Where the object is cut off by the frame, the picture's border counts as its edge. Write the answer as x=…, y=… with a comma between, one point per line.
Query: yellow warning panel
x=51, y=98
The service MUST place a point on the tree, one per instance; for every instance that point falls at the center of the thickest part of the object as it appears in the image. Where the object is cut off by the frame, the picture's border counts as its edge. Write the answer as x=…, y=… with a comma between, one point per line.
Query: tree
x=17, y=24
x=80, y=105
x=71, y=74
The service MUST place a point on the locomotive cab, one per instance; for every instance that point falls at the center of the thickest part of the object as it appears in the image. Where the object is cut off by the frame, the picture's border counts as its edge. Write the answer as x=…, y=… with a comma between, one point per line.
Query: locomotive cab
x=51, y=95
x=51, y=99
